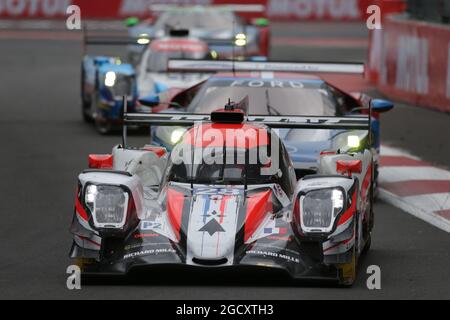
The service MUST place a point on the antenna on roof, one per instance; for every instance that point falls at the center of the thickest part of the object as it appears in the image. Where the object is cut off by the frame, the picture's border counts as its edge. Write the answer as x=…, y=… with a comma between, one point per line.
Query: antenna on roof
x=233, y=45
x=124, y=125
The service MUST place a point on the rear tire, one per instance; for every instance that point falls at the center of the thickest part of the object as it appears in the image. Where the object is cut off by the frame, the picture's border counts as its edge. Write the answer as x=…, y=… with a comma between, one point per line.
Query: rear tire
x=367, y=245
x=86, y=111
x=82, y=263
x=86, y=106
x=103, y=126
x=347, y=271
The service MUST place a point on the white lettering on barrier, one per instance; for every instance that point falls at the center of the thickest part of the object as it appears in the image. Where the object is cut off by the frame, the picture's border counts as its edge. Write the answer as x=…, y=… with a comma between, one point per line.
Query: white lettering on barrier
x=335, y=9
x=412, y=64
x=31, y=8
x=448, y=72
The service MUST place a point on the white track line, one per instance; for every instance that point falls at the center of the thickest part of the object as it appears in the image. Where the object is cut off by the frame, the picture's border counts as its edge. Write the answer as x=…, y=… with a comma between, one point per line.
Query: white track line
x=422, y=206
x=417, y=211
x=399, y=173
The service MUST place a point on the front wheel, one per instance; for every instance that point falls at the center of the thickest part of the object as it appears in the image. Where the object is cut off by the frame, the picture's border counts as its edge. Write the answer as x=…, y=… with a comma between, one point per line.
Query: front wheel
x=86, y=111
x=347, y=271
x=103, y=126
x=367, y=244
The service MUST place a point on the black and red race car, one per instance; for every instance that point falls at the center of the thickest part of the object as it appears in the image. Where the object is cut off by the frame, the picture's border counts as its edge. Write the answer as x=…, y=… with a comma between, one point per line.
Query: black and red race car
x=226, y=197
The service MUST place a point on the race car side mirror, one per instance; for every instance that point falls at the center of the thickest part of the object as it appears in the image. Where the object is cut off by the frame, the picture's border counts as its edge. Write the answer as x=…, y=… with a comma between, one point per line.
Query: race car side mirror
x=131, y=22
x=154, y=101
x=260, y=22
x=150, y=101
x=380, y=105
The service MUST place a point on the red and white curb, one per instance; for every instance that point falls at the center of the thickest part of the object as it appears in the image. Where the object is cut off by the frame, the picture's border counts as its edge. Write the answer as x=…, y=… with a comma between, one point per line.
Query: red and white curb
x=415, y=186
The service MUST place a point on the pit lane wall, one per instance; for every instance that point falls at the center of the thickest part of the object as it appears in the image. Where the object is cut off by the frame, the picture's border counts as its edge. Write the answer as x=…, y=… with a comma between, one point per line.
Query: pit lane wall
x=322, y=10
x=409, y=61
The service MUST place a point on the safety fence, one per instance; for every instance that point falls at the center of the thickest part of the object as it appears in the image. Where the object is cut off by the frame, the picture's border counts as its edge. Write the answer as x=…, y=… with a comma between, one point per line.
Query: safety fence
x=429, y=10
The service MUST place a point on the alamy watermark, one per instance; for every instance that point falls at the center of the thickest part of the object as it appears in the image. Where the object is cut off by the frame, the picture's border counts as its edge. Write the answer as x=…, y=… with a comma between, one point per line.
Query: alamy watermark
x=374, y=20
x=73, y=21
x=230, y=146
x=73, y=281
x=374, y=280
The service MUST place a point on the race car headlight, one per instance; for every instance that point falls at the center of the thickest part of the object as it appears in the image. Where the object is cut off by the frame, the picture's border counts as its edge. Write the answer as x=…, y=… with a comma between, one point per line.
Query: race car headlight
x=110, y=79
x=351, y=141
x=240, y=40
x=319, y=208
x=176, y=135
x=143, y=38
x=108, y=205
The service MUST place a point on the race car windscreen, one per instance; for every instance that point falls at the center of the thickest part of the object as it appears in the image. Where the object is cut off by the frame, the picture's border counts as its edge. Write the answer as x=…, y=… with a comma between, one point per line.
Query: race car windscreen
x=122, y=86
x=244, y=165
x=209, y=20
x=268, y=97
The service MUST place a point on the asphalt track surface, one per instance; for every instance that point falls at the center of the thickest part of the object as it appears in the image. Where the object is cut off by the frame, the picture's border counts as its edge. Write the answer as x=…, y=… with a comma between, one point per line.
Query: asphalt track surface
x=44, y=144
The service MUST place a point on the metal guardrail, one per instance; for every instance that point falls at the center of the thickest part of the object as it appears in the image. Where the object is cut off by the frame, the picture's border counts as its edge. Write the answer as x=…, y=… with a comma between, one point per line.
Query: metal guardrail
x=429, y=10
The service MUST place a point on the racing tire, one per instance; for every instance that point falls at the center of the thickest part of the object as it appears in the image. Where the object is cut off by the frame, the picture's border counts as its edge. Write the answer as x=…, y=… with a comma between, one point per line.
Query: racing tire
x=103, y=126
x=82, y=263
x=367, y=245
x=347, y=271
x=85, y=105
x=87, y=116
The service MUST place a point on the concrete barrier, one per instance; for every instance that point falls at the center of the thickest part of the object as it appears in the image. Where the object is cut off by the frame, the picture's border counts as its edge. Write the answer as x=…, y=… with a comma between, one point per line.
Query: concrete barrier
x=410, y=61
x=316, y=10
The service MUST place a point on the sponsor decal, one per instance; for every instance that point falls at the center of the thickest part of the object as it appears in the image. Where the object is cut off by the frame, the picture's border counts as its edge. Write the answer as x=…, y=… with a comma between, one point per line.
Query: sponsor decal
x=148, y=252
x=274, y=255
x=145, y=235
x=279, y=231
x=315, y=9
x=259, y=83
x=281, y=238
x=150, y=225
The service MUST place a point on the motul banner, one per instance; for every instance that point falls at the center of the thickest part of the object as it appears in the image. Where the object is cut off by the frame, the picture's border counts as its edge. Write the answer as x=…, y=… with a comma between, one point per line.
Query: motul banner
x=410, y=61
x=332, y=10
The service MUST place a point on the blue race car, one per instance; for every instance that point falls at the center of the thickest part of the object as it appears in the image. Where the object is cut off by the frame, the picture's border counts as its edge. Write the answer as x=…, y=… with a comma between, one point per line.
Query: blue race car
x=272, y=92
x=105, y=80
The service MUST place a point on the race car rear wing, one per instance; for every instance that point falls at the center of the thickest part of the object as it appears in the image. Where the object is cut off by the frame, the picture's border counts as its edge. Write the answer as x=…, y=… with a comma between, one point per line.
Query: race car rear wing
x=239, y=8
x=357, y=122
x=114, y=39
x=185, y=65
x=100, y=39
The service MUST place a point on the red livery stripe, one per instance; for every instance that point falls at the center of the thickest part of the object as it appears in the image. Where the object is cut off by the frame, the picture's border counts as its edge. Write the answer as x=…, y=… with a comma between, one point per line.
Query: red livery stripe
x=349, y=213
x=88, y=240
x=80, y=209
x=175, y=203
x=444, y=214
x=391, y=161
x=257, y=207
